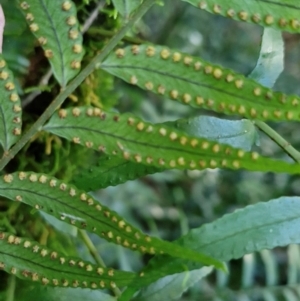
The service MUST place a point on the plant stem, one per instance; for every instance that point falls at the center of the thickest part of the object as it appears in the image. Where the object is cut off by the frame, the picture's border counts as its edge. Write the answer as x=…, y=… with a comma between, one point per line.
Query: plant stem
x=10, y=293
x=285, y=145
x=93, y=16
x=43, y=82
x=93, y=251
x=92, y=248
x=107, y=33
x=57, y=102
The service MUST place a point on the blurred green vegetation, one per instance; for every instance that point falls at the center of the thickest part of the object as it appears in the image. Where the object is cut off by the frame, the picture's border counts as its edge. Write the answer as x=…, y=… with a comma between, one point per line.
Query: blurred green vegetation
x=170, y=203
x=185, y=200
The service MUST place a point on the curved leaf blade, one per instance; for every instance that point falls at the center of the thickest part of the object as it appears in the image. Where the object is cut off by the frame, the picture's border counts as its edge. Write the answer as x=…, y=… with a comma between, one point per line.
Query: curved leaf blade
x=254, y=228
x=55, y=25
x=278, y=14
x=271, y=58
x=125, y=136
x=74, y=206
x=197, y=83
x=10, y=108
x=236, y=133
x=110, y=171
x=257, y=227
x=29, y=260
x=171, y=287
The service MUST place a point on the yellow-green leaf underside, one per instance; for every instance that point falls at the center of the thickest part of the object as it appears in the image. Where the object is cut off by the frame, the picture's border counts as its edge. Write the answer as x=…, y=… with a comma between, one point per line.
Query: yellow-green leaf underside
x=128, y=137
x=283, y=15
x=10, y=108
x=74, y=206
x=200, y=84
x=29, y=260
x=55, y=25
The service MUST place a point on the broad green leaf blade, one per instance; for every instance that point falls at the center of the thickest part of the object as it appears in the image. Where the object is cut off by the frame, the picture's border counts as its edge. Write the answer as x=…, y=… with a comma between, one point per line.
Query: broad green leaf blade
x=34, y=262
x=110, y=171
x=55, y=25
x=14, y=23
x=126, y=136
x=236, y=133
x=270, y=62
x=125, y=7
x=73, y=206
x=197, y=83
x=254, y=228
x=10, y=108
x=278, y=14
x=172, y=287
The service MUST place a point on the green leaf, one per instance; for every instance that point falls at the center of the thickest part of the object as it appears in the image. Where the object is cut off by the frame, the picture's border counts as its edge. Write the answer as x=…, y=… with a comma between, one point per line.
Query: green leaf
x=236, y=133
x=42, y=293
x=197, y=83
x=256, y=227
x=171, y=287
x=55, y=25
x=125, y=7
x=71, y=205
x=110, y=171
x=10, y=108
x=278, y=14
x=127, y=137
x=14, y=23
x=271, y=58
x=31, y=261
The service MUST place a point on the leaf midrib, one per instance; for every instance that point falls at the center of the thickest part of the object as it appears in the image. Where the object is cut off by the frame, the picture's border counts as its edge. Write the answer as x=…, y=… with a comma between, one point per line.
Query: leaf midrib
x=44, y=7
x=280, y=4
x=145, y=144
x=45, y=266
x=84, y=213
x=240, y=98
x=238, y=233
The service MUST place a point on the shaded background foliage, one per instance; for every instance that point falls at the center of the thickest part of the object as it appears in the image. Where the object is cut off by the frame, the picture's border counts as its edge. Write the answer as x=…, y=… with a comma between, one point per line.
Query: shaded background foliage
x=170, y=203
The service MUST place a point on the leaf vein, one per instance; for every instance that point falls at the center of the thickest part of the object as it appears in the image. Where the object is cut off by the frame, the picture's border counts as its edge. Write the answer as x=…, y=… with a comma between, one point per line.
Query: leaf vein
x=196, y=83
x=67, y=205
x=281, y=4
x=133, y=141
x=57, y=40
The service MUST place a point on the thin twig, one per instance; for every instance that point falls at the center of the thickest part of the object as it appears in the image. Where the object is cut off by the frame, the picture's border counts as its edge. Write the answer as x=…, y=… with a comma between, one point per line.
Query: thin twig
x=285, y=145
x=93, y=16
x=108, y=33
x=10, y=293
x=93, y=251
x=43, y=82
x=58, y=101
